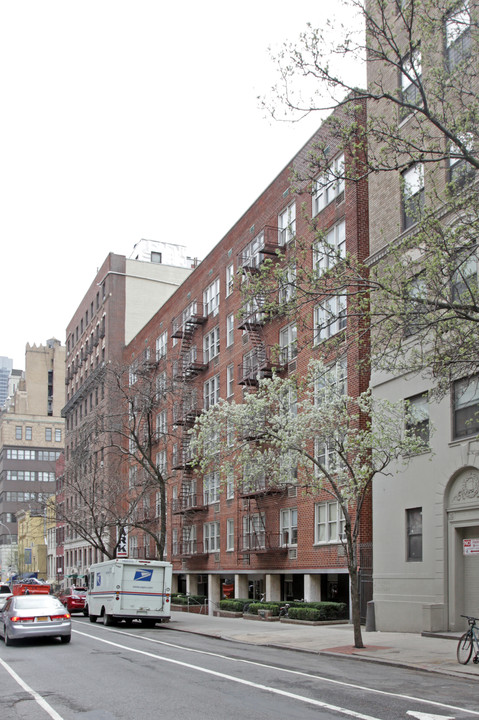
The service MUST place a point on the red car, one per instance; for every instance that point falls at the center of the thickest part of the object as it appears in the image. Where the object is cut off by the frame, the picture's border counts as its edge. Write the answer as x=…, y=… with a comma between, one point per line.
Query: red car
x=74, y=599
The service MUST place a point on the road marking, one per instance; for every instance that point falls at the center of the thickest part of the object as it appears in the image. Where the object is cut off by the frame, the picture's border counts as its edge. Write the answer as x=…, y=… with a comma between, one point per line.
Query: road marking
x=38, y=698
x=240, y=681
x=363, y=688
x=427, y=716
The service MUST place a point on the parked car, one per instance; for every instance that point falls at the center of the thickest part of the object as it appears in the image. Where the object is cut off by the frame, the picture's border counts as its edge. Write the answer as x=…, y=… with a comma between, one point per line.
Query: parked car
x=74, y=599
x=5, y=593
x=33, y=615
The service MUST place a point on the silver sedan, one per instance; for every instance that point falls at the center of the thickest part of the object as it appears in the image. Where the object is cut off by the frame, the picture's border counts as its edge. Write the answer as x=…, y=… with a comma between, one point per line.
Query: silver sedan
x=25, y=616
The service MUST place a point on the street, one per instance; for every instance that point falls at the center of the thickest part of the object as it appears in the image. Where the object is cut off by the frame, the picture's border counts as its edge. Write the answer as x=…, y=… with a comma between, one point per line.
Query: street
x=124, y=673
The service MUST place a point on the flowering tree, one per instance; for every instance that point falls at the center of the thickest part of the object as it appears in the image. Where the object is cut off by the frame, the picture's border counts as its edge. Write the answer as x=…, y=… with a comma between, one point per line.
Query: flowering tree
x=326, y=436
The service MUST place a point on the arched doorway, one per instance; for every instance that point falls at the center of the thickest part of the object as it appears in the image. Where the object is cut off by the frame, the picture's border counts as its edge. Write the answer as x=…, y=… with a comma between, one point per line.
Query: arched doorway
x=462, y=508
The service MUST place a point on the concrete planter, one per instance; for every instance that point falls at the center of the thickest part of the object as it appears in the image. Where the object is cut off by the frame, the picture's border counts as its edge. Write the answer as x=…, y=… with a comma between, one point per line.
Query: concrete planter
x=266, y=616
x=198, y=609
x=313, y=622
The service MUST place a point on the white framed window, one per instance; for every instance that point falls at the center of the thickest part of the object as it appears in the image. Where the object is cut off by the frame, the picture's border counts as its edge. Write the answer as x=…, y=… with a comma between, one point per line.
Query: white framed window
x=466, y=407
x=287, y=289
x=211, y=488
x=324, y=454
x=252, y=255
x=211, y=298
x=288, y=342
x=161, y=345
x=211, y=392
x=132, y=476
x=230, y=486
x=414, y=534
x=254, y=534
x=230, y=329
x=28, y=433
x=230, y=381
x=230, y=277
x=458, y=36
x=329, y=186
x=174, y=541
x=58, y=435
x=330, y=249
x=211, y=344
x=287, y=224
x=328, y=523
x=48, y=434
x=189, y=540
x=161, y=384
x=329, y=318
x=19, y=432
x=410, y=78
x=460, y=171
x=288, y=526
x=161, y=462
x=333, y=380
x=162, y=423
x=230, y=534
x=211, y=537
x=412, y=200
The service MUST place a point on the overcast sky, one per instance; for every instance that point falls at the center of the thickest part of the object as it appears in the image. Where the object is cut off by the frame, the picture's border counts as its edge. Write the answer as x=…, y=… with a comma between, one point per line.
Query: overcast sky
x=127, y=120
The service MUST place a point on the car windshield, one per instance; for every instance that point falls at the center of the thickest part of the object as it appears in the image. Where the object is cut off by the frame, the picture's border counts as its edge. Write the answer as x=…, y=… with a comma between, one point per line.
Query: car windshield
x=37, y=601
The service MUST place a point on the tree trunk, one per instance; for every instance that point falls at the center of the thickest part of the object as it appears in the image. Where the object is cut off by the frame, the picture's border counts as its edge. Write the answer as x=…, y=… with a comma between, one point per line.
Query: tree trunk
x=355, y=611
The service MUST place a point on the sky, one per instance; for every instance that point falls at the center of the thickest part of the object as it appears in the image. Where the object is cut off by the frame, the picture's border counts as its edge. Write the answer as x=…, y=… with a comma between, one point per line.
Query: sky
x=124, y=120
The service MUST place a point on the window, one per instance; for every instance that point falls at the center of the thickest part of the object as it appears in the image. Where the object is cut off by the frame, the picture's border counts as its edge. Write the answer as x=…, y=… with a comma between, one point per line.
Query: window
x=253, y=532
x=329, y=318
x=417, y=418
x=211, y=488
x=18, y=432
x=230, y=534
x=287, y=343
x=416, y=307
x=333, y=381
x=328, y=522
x=460, y=171
x=211, y=298
x=58, y=435
x=414, y=534
x=466, y=407
x=324, y=454
x=230, y=330
x=464, y=280
x=287, y=289
x=329, y=186
x=287, y=224
x=229, y=279
x=410, y=81
x=211, y=344
x=230, y=486
x=230, y=380
x=161, y=424
x=330, y=249
x=161, y=384
x=211, y=537
x=28, y=433
x=133, y=373
x=289, y=527
x=155, y=257
x=161, y=462
x=48, y=434
x=211, y=391
x=412, y=194
x=458, y=36
x=161, y=345
x=132, y=476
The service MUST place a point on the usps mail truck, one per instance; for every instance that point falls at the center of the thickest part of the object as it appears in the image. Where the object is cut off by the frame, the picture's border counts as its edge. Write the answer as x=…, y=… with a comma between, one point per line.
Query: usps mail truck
x=129, y=590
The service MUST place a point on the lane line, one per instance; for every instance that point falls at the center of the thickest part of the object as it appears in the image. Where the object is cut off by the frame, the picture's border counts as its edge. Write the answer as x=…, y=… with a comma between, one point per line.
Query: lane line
x=38, y=698
x=332, y=681
x=240, y=681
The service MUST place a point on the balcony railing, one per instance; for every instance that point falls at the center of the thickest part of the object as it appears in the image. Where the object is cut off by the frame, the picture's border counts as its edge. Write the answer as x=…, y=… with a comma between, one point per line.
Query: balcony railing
x=261, y=542
x=190, y=365
x=189, y=548
x=189, y=503
x=253, y=255
x=191, y=316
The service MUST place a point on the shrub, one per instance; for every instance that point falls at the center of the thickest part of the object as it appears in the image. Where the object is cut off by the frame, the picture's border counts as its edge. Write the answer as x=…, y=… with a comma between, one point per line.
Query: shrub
x=232, y=605
x=319, y=611
x=254, y=608
x=188, y=599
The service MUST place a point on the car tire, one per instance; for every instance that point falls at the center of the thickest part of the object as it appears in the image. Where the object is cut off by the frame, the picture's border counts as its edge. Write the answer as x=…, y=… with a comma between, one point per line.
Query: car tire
x=65, y=638
x=93, y=618
x=6, y=638
x=108, y=619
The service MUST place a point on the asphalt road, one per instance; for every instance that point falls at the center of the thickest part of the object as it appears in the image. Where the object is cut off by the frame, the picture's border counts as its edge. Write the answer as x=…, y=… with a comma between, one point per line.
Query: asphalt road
x=135, y=673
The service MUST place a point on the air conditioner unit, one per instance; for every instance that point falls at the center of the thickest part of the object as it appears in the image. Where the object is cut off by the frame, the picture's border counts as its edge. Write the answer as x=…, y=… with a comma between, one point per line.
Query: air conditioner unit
x=292, y=366
x=292, y=492
x=293, y=554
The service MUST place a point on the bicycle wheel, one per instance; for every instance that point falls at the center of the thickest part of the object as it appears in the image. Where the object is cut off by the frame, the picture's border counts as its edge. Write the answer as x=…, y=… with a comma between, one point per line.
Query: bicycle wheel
x=464, y=648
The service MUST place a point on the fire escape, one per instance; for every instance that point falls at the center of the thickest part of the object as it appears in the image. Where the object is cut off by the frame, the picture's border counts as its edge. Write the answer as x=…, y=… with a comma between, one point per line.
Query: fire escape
x=253, y=536
x=188, y=365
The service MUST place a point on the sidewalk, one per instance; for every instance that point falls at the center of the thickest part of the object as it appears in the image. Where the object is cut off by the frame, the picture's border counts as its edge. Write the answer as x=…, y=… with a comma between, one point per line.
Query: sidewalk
x=433, y=653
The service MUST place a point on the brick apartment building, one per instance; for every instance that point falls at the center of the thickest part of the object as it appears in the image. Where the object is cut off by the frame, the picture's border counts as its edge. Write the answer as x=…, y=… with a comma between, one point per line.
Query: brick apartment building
x=123, y=295
x=277, y=545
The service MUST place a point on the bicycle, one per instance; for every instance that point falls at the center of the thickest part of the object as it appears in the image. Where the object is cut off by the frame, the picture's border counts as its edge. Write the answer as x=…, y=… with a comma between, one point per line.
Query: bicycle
x=468, y=641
